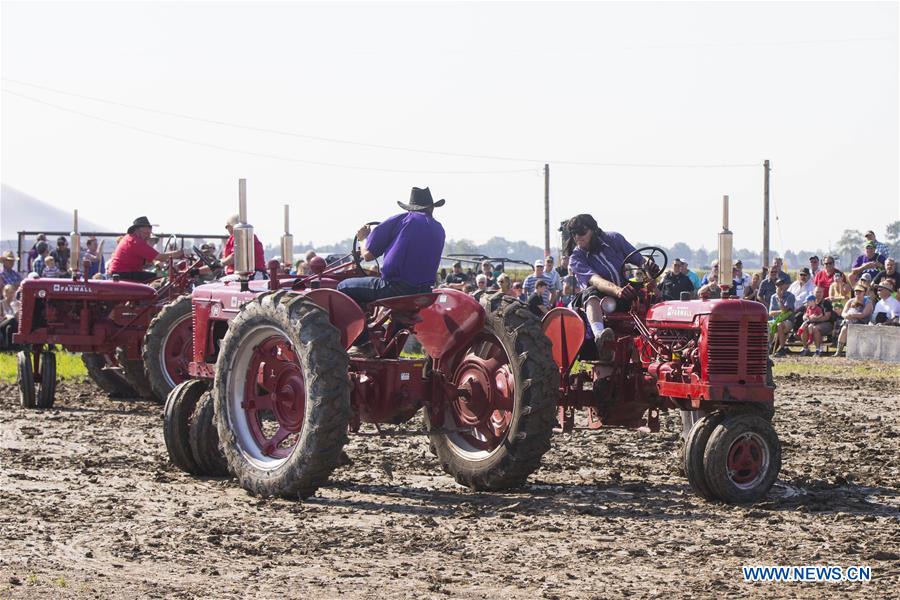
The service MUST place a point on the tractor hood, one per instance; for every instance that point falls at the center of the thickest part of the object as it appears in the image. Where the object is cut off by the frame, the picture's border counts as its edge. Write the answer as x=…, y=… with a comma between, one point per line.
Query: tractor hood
x=96, y=290
x=686, y=313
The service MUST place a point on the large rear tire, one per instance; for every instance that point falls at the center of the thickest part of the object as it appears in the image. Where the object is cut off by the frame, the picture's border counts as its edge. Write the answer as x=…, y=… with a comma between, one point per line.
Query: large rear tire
x=496, y=431
x=100, y=369
x=742, y=458
x=177, y=419
x=282, y=396
x=204, y=440
x=134, y=374
x=25, y=373
x=168, y=347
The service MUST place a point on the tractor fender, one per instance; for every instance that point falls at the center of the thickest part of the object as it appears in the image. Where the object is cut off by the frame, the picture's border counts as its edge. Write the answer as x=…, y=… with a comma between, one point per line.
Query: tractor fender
x=449, y=322
x=565, y=330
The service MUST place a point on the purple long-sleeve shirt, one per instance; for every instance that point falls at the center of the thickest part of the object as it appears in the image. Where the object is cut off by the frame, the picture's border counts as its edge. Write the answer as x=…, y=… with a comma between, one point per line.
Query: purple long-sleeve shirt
x=607, y=263
x=412, y=243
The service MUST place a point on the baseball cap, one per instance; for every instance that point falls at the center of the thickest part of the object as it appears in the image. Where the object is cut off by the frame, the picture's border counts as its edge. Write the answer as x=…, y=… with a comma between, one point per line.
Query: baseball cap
x=804, y=271
x=811, y=298
x=870, y=232
x=866, y=276
x=871, y=244
x=739, y=263
x=539, y=263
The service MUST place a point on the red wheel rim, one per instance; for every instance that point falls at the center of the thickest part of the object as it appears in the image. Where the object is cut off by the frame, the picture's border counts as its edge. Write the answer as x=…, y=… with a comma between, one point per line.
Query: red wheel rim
x=274, y=402
x=748, y=460
x=177, y=351
x=482, y=411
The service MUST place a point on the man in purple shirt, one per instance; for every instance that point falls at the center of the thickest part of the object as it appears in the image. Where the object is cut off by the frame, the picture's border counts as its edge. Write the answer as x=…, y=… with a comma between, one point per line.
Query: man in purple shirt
x=411, y=243
x=871, y=262
x=596, y=258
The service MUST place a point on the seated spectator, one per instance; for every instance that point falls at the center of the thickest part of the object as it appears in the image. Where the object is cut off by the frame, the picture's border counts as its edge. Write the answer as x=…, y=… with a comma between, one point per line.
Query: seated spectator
x=713, y=270
x=781, y=312
x=310, y=254
x=9, y=313
x=299, y=268
x=8, y=273
x=61, y=254
x=768, y=287
x=887, y=310
x=50, y=268
x=487, y=269
x=710, y=290
x=481, y=282
x=554, y=281
x=753, y=289
x=34, y=253
x=880, y=248
x=890, y=273
x=518, y=292
x=568, y=293
x=505, y=284
x=695, y=279
x=456, y=279
x=93, y=253
x=858, y=310
x=43, y=251
x=530, y=282
x=814, y=267
x=869, y=262
x=804, y=286
x=563, y=269
x=818, y=321
x=781, y=272
x=825, y=277
x=675, y=282
x=741, y=281
x=536, y=302
x=840, y=292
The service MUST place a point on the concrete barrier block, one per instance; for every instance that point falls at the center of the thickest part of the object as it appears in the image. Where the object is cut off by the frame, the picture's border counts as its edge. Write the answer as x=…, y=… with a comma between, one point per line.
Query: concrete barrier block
x=870, y=342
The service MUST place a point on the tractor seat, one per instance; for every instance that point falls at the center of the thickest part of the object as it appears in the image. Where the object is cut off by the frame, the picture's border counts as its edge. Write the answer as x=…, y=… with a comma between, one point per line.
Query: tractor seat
x=405, y=308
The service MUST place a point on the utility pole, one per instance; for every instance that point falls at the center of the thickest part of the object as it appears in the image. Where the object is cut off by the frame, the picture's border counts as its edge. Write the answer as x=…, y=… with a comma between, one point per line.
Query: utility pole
x=765, y=252
x=547, y=210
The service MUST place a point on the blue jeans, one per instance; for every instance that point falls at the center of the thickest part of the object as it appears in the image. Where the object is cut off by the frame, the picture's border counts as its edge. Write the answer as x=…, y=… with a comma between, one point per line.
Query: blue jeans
x=370, y=289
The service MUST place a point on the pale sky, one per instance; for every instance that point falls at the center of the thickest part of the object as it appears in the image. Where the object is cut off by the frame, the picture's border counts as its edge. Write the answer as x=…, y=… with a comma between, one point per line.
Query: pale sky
x=811, y=86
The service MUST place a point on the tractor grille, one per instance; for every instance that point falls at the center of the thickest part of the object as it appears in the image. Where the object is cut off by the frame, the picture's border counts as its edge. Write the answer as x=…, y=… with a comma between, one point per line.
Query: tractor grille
x=724, y=346
x=724, y=339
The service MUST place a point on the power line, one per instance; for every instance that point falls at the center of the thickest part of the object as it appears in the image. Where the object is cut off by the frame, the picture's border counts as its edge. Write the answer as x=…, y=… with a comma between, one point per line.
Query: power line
x=370, y=145
x=256, y=154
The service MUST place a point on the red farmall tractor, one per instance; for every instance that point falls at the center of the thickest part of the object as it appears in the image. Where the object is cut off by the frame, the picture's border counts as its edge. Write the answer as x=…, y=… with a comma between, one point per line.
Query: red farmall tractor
x=135, y=338
x=272, y=368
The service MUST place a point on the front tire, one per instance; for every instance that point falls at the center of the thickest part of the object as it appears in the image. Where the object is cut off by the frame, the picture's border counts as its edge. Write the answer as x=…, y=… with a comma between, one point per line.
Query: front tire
x=47, y=393
x=694, y=450
x=742, y=458
x=496, y=431
x=282, y=396
x=167, y=350
x=177, y=419
x=25, y=372
x=204, y=440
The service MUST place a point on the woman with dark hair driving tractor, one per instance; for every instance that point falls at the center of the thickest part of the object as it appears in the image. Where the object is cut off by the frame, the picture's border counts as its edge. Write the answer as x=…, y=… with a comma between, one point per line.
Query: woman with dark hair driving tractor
x=596, y=257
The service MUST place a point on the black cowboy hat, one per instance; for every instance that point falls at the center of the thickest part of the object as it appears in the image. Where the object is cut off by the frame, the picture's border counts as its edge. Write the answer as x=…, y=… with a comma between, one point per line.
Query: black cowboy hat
x=140, y=222
x=420, y=199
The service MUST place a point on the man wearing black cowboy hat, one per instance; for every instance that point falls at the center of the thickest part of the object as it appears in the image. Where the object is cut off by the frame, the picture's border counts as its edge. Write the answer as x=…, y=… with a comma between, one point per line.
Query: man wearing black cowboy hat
x=411, y=244
x=133, y=252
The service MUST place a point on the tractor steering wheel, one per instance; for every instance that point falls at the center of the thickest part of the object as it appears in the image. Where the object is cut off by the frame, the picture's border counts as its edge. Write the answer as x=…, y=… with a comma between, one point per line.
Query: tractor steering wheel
x=640, y=275
x=354, y=252
x=212, y=264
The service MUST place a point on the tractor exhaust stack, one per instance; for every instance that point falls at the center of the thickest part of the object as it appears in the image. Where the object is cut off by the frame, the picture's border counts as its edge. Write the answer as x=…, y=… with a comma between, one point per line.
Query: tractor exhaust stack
x=75, y=243
x=287, y=241
x=726, y=265
x=244, y=252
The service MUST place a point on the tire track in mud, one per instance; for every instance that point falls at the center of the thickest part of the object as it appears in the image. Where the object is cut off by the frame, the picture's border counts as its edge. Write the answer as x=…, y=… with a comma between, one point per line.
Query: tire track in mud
x=90, y=507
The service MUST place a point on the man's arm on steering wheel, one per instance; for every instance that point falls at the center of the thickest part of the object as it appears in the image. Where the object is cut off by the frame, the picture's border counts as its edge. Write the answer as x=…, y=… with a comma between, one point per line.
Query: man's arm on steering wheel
x=361, y=236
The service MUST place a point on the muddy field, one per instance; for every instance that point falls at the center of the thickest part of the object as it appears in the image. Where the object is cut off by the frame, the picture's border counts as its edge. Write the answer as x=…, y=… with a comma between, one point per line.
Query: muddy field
x=89, y=507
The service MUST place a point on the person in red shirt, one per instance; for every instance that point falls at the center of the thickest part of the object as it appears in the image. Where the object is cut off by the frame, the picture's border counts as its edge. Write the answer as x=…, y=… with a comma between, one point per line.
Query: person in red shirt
x=825, y=277
x=133, y=253
x=228, y=251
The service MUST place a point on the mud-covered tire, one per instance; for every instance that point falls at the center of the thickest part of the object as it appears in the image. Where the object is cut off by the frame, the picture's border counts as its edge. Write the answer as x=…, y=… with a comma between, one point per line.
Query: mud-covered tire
x=742, y=458
x=25, y=379
x=694, y=449
x=300, y=328
x=166, y=351
x=136, y=377
x=46, y=393
x=517, y=454
x=204, y=440
x=177, y=418
x=110, y=381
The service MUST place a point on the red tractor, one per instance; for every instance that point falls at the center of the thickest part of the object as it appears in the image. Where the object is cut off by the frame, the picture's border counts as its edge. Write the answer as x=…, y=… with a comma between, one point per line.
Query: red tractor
x=707, y=358
x=277, y=392
x=135, y=338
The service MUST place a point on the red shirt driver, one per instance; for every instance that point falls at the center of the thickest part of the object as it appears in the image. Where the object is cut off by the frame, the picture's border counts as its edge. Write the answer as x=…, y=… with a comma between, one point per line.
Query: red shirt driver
x=133, y=253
